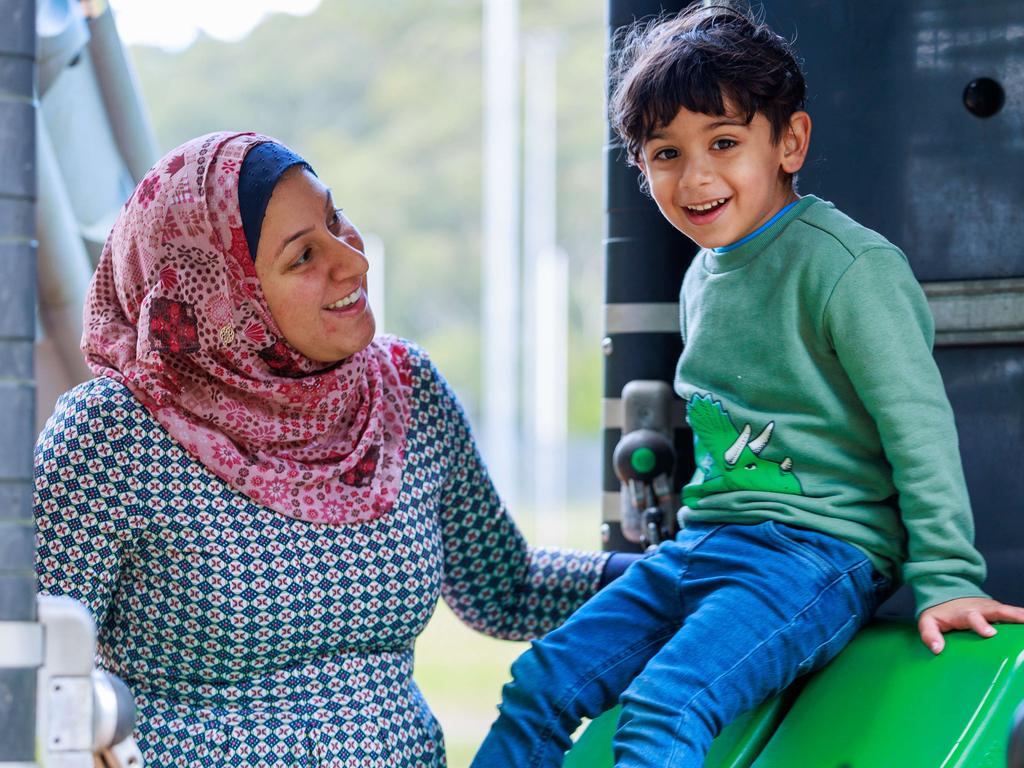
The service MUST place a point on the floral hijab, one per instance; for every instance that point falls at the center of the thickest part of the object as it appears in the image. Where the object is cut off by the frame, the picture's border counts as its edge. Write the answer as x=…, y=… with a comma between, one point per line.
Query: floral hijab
x=176, y=313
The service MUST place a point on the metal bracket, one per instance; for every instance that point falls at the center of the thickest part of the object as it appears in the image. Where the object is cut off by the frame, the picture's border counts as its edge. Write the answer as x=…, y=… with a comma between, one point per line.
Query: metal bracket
x=646, y=507
x=80, y=710
x=971, y=312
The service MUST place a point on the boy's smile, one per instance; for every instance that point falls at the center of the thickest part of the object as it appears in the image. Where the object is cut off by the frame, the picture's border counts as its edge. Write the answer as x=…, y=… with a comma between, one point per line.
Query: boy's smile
x=717, y=178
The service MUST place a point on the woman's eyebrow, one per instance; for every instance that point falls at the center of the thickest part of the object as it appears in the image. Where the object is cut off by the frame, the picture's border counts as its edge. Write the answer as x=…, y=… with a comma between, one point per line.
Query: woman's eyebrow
x=288, y=240
x=328, y=205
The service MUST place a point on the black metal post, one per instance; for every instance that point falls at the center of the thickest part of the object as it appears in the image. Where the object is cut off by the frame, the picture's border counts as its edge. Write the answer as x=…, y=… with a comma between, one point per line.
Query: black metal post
x=645, y=259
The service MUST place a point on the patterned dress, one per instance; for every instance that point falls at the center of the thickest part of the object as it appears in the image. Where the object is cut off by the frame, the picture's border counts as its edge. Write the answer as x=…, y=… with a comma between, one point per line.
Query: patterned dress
x=250, y=638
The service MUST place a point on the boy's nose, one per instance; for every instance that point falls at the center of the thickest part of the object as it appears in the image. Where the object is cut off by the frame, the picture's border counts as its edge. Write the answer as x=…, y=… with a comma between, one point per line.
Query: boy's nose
x=695, y=174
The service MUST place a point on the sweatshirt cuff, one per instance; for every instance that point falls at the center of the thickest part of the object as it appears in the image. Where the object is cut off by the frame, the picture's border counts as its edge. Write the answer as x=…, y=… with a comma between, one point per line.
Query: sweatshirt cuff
x=932, y=591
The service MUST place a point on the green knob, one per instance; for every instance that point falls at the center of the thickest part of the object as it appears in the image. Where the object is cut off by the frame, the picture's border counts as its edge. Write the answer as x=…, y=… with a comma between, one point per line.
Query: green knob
x=642, y=460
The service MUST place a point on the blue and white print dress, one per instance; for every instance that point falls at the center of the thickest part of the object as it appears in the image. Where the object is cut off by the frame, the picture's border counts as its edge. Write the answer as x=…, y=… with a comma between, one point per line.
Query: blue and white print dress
x=250, y=638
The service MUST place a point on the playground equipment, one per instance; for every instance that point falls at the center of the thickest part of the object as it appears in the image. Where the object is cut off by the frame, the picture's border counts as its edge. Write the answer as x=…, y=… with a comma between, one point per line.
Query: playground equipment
x=914, y=136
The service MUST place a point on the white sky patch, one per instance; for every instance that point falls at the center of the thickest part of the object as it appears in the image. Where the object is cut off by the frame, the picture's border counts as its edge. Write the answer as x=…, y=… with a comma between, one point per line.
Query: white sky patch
x=175, y=25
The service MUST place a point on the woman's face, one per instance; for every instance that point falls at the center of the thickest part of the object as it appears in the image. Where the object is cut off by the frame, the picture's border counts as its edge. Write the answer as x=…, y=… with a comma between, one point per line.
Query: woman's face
x=312, y=269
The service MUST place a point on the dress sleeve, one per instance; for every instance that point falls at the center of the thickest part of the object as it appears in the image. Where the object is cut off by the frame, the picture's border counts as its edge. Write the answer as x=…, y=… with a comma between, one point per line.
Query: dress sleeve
x=882, y=331
x=493, y=580
x=82, y=525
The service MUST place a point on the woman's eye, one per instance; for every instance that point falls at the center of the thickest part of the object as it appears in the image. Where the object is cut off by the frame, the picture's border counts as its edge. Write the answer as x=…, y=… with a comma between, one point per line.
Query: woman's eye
x=723, y=144
x=334, y=222
x=666, y=154
x=307, y=254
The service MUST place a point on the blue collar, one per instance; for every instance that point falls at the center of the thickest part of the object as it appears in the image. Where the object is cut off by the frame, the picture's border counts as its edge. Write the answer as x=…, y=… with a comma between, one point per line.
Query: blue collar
x=756, y=232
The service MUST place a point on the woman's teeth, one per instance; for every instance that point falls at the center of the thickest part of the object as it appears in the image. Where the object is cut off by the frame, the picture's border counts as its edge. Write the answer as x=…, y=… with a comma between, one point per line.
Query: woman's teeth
x=705, y=207
x=352, y=298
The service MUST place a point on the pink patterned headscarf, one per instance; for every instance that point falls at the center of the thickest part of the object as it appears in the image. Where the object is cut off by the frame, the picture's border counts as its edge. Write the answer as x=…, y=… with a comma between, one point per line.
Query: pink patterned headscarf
x=175, y=312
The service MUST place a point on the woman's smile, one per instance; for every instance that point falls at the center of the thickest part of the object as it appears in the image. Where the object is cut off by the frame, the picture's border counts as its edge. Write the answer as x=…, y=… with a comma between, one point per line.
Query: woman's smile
x=350, y=302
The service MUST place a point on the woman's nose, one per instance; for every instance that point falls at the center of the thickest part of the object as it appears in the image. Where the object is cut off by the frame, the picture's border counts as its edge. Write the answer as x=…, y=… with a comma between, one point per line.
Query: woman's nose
x=347, y=260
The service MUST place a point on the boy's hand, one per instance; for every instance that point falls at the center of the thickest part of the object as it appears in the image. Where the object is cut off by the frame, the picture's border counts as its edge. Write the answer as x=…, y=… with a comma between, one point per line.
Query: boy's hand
x=964, y=613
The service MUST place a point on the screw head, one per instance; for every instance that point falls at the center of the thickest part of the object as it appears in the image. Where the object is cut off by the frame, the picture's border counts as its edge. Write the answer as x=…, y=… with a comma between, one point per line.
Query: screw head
x=984, y=97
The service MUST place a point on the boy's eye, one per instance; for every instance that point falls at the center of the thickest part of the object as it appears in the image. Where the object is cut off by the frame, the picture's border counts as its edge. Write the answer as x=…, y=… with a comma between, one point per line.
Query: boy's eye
x=666, y=154
x=723, y=144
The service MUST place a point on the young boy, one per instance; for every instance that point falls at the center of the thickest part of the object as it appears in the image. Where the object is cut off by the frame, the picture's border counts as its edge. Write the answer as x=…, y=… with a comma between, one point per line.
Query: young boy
x=827, y=460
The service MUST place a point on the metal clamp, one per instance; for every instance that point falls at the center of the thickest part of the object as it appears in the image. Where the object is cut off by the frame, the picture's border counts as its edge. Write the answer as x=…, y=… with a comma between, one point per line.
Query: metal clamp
x=644, y=461
x=83, y=714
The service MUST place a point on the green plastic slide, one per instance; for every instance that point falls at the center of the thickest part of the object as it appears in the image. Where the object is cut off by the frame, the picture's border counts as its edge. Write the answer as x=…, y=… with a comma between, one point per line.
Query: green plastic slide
x=884, y=702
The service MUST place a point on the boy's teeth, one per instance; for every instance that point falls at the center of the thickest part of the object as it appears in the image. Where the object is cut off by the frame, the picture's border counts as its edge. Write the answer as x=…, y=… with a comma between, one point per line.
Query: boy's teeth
x=352, y=298
x=706, y=206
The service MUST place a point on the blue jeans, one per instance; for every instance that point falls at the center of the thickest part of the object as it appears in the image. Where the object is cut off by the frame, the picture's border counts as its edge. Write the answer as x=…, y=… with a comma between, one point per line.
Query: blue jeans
x=704, y=629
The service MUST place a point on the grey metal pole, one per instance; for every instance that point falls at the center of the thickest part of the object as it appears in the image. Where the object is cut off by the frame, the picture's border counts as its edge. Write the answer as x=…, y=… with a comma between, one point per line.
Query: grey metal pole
x=122, y=96
x=20, y=635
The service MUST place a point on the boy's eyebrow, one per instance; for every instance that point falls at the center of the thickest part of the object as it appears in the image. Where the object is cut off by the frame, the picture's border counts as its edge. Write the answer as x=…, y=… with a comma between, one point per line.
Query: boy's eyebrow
x=727, y=121
x=713, y=126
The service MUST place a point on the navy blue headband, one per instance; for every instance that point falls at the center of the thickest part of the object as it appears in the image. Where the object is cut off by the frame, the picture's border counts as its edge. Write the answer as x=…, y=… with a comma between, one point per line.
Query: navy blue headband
x=262, y=168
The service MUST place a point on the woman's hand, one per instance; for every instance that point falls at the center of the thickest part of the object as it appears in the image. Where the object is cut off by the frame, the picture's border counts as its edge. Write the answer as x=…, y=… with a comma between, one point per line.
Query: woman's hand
x=964, y=613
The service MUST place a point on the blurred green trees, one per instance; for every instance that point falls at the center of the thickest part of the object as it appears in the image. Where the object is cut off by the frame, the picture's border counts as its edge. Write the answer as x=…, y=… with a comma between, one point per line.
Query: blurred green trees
x=385, y=100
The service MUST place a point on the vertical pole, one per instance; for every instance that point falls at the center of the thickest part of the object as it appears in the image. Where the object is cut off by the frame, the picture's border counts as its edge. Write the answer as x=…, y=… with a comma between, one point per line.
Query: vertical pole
x=500, y=354
x=551, y=387
x=20, y=635
x=546, y=283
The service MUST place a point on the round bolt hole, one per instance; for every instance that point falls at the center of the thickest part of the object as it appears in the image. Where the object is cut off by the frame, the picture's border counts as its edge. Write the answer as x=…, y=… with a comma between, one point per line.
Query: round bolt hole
x=984, y=97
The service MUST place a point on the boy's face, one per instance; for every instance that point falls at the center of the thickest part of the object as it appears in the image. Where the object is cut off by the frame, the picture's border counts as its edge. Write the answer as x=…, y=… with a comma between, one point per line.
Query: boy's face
x=716, y=178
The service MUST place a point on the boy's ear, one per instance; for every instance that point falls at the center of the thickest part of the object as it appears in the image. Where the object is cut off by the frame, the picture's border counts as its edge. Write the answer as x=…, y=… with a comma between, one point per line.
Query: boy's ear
x=795, y=142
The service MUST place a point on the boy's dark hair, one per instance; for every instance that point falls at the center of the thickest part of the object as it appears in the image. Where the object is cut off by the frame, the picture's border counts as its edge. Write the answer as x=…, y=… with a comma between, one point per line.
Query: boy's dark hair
x=699, y=59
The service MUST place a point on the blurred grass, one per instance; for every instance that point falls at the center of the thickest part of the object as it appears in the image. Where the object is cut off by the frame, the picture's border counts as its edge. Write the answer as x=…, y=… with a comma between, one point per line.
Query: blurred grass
x=461, y=671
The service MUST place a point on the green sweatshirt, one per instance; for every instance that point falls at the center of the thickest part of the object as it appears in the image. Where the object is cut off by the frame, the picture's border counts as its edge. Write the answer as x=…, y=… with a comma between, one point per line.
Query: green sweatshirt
x=815, y=401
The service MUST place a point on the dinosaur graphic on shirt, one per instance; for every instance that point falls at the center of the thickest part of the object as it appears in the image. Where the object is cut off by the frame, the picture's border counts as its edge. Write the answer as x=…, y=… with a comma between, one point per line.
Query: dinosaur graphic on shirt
x=729, y=459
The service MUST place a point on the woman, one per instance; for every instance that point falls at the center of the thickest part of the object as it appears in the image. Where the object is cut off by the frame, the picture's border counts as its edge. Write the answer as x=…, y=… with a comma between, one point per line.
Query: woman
x=258, y=501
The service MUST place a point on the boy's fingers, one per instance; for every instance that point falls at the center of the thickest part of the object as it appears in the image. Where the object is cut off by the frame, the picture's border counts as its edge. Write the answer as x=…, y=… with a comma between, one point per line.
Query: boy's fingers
x=930, y=634
x=979, y=624
x=1009, y=613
